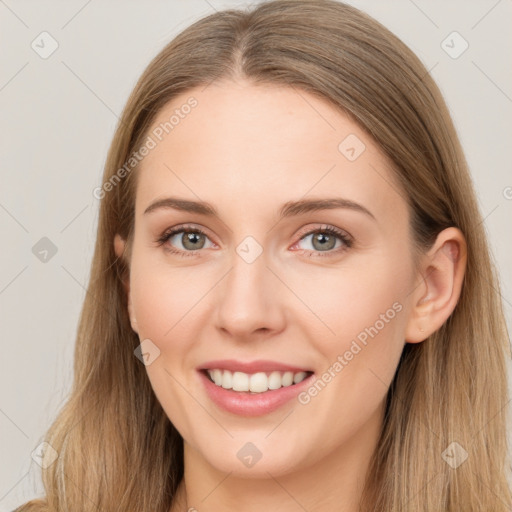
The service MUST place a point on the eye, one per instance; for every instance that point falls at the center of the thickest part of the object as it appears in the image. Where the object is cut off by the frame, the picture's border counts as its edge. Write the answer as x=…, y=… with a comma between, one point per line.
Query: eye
x=325, y=239
x=183, y=239
x=188, y=240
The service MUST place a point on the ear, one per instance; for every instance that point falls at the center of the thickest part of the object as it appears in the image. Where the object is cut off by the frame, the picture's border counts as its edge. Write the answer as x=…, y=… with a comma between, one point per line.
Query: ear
x=441, y=275
x=119, y=247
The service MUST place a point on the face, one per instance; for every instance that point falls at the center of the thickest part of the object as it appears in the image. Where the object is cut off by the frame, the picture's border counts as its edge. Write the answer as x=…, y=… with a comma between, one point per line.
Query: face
x=237, y=267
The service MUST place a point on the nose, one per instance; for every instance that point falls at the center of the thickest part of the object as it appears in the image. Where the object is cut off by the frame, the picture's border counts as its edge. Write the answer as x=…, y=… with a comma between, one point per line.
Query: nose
x=250, y=300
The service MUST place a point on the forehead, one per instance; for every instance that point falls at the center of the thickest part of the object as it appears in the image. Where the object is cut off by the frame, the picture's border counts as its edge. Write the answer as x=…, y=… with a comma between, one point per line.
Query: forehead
x=246, y=146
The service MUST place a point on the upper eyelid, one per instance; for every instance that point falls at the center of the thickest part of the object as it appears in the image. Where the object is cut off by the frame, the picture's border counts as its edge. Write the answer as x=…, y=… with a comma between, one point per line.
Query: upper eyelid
x=324, y=227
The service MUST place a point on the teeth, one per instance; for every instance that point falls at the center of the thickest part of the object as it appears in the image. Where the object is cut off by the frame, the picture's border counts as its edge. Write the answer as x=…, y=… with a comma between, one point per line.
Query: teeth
x=217, y=377
x=240, y=381
x=256, y=382
x=299, y=377
x=227, y=380
x=274, y=380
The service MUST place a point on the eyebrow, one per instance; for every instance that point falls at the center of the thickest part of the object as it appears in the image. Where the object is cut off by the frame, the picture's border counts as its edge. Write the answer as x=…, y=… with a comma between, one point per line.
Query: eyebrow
x=289, y=209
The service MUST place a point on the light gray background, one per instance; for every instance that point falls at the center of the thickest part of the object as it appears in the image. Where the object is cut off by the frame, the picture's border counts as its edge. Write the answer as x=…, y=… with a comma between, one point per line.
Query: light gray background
x=57, y=120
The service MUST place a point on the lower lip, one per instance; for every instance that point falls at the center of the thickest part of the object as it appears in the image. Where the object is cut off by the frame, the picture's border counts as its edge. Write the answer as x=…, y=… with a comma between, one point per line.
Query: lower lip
x=252, y=404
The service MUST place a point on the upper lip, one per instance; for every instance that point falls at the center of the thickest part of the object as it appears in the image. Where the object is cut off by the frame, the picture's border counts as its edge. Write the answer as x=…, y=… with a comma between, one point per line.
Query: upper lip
x=251, y=366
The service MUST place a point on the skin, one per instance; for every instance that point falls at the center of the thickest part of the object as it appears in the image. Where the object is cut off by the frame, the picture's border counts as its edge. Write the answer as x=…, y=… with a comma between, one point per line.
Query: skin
x=247, y=149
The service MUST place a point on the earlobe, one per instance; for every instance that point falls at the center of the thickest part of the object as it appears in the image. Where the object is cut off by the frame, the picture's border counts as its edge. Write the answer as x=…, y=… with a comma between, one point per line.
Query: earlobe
x=131, y=313
x=442, y=273
x=119, y=247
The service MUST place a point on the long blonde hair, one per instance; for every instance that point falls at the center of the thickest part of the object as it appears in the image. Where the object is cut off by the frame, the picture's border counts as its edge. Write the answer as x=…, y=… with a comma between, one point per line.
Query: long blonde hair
x=118, y=450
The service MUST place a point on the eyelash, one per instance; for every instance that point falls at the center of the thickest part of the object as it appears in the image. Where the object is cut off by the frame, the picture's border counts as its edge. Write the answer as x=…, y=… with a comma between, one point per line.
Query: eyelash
x=331, y=230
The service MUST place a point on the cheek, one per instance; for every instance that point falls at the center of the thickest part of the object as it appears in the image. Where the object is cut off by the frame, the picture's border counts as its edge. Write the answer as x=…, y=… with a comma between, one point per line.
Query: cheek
x=351, y=300
x=167, y=303
x=165, y=299
x=366, y=310
x=361, y=359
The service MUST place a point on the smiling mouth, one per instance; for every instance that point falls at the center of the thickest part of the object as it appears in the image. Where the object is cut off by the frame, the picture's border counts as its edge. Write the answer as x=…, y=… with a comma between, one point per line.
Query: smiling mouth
x=259, y=382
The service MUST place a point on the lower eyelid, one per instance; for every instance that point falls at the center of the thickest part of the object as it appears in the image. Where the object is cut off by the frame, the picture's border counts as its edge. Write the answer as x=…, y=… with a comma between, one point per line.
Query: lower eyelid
x=330, y=253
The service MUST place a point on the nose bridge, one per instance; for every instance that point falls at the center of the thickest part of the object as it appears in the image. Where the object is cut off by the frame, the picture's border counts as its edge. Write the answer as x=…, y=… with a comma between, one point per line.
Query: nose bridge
x=248, y=300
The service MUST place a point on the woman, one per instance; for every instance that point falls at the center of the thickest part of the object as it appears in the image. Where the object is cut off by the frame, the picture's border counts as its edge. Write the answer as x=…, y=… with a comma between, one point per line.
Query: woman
x=292, y=304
